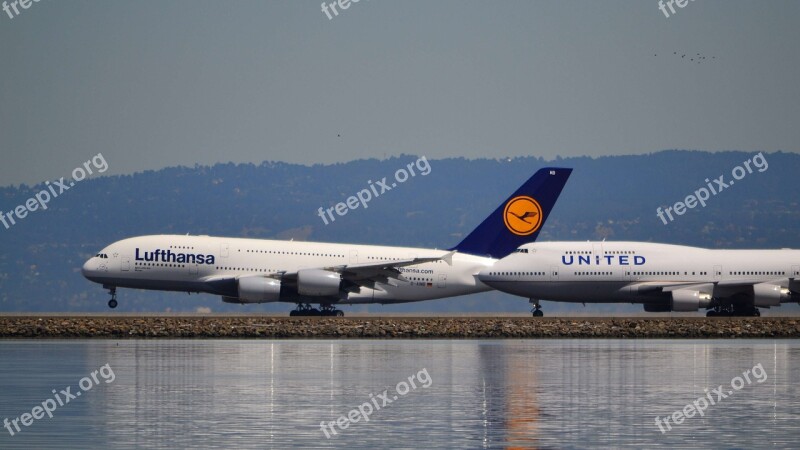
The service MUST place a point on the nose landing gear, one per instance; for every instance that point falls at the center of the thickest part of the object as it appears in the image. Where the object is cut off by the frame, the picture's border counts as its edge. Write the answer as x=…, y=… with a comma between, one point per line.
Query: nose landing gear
x=113, y=302
x=537, y=308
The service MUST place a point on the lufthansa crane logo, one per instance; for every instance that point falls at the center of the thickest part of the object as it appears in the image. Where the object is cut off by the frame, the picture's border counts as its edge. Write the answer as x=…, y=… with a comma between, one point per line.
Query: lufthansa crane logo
x=523, y=215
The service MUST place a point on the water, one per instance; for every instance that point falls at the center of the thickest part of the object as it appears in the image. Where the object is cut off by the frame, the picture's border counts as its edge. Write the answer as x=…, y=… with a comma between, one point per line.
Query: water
x=479, y=394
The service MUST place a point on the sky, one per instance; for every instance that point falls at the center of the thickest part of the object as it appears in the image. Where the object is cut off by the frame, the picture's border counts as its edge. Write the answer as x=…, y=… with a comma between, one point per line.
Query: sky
x=182, y=82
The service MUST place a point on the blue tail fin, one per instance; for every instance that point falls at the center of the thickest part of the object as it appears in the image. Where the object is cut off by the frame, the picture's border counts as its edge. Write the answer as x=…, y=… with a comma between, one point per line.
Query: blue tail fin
x=520, y=218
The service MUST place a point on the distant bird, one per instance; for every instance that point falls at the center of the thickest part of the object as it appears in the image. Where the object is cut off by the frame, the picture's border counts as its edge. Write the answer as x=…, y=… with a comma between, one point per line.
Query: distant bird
x=338, y=135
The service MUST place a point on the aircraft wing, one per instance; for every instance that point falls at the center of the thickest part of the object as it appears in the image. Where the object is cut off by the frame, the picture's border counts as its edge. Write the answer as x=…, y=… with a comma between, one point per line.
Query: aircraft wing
x=368, y=274
x=745, y=283
x=655, y=287
x=354, y=276
x=724, y=288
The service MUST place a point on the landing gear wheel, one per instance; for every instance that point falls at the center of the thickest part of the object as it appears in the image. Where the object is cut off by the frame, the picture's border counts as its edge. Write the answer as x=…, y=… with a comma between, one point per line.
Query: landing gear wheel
x=537, y=308
x=305, y=310
x=302, y=310
x=113, y=291
x=327, y=310
x=733, y=311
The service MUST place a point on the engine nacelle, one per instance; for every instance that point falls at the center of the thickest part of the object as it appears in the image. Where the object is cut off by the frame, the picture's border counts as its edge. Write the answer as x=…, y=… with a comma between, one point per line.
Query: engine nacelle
x=318, y=282
x=257, y=290
x=766, y=295
x=684, y=300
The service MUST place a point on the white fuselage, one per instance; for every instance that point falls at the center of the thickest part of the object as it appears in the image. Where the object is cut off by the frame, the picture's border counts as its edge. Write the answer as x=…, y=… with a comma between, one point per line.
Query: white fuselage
x=209, y=264
x=637, y=271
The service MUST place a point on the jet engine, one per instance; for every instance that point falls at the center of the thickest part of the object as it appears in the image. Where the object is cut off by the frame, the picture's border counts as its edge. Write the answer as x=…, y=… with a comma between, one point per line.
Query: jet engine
x=689, y=300
x=766, y=295
x=318, y=282
x=256, y=290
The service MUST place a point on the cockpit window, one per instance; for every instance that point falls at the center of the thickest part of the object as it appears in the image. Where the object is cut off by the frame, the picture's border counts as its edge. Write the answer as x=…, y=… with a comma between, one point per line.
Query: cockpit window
x=101, y=255
x=521, y=250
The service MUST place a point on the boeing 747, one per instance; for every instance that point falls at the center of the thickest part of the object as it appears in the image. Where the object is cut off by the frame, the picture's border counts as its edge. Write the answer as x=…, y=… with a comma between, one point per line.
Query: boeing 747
x=661, y=277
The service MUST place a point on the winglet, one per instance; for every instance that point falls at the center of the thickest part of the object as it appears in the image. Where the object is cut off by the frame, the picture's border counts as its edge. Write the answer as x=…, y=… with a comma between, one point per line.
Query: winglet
x=448, y=258
x=520, y=218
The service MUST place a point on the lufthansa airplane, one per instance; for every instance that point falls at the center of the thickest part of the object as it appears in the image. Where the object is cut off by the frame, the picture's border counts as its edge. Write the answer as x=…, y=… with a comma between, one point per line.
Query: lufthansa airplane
x=306, y=273
x=661, y=277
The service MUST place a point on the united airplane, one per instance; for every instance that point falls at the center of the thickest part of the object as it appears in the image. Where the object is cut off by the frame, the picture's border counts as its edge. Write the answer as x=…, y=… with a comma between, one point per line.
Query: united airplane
x=661, y=277
x=325, y=274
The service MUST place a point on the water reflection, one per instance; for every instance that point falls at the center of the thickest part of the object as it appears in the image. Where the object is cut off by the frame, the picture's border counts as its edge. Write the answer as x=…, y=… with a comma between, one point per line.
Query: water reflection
x=484, y=394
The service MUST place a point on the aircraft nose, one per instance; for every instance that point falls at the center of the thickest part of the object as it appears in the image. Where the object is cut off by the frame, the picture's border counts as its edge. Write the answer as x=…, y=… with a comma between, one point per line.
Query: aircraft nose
x=88, y=267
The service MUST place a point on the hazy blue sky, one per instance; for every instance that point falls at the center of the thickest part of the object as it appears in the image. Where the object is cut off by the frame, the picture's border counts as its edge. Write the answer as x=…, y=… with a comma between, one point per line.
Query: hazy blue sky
x=178, y=82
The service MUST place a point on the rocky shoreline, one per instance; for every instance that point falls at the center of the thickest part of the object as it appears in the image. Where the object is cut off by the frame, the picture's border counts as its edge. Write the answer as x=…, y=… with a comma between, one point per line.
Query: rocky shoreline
x=213, y=327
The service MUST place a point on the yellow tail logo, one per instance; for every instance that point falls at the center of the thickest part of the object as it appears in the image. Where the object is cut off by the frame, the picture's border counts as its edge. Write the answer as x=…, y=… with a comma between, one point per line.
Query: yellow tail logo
x=523, y=215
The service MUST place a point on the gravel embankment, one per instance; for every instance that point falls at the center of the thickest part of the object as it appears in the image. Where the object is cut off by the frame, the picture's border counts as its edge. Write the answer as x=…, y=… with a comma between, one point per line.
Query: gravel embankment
x=388, y=328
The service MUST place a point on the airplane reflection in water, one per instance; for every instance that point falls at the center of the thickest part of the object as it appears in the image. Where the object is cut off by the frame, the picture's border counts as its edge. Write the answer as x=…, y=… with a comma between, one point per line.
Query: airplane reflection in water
x=509, y=394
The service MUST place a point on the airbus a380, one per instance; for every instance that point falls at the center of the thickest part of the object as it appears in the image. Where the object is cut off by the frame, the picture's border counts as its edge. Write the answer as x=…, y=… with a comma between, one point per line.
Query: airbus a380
x=660, y=276
x=306, y=273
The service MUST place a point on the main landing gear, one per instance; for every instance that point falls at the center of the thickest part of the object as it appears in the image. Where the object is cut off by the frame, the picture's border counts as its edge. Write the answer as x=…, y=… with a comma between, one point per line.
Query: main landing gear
x=305, y=310
x=733, y=311
x=113, y=302
x=537, y=308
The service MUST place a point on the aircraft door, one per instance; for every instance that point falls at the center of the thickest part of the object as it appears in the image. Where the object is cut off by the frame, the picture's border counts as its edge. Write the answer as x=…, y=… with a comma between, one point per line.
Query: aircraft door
x=597, y=253
x=795, y=273
x=554, y=273
x=717, y=272
x=442, y=280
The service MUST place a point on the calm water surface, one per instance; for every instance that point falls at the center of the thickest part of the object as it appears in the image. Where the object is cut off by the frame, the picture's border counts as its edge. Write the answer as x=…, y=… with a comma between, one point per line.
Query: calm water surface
x=479, y=394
